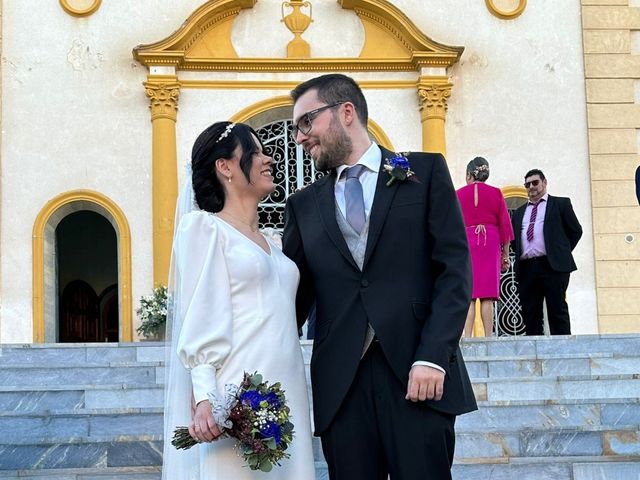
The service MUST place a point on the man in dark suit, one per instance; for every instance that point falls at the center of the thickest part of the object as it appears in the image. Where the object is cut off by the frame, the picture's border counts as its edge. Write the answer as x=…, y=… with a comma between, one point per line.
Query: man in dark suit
x=384, y=255
x=546, y=232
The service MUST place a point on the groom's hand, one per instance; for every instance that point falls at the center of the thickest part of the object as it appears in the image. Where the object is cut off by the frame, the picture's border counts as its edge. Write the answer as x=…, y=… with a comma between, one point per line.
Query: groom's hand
x=425, y=383
x=204, y=427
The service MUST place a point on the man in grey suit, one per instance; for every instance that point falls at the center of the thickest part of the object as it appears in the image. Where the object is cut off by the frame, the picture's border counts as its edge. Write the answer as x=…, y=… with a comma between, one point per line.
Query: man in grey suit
x=546, y=232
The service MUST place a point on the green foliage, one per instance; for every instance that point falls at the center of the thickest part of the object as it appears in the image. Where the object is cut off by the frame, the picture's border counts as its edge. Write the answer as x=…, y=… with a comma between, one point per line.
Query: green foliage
x=153, y=313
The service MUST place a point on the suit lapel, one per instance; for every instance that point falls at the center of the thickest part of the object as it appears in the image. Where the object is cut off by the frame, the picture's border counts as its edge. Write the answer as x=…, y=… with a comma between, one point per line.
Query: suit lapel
x=380, y=208
x=326, y=203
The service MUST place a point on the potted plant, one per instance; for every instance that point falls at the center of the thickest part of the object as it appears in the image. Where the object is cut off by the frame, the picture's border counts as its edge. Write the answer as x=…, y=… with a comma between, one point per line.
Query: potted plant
x=153, y=314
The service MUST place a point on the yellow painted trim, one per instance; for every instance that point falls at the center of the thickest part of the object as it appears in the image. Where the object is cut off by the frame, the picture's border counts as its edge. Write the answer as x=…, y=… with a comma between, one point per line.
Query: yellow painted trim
x=285, y=84
x=80, y=12
x=181, y=49
x=504, y=14
x=511, y=191
x=124, y=258
x=251, y=111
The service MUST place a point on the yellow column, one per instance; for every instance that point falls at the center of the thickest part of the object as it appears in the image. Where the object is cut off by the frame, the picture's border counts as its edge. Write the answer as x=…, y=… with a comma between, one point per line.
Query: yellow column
x=163, y=95
x=433, y=93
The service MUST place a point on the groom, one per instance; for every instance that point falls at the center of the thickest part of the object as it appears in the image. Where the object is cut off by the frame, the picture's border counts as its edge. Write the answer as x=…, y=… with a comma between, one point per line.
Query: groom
x=387, y=265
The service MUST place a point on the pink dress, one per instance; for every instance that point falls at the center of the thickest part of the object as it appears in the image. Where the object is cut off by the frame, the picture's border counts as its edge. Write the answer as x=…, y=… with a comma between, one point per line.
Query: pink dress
x=488, y=226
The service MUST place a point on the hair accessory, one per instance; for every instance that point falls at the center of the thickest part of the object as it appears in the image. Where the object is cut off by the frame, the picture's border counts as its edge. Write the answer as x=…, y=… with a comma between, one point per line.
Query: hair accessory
x=225, y=134
x=480, y=168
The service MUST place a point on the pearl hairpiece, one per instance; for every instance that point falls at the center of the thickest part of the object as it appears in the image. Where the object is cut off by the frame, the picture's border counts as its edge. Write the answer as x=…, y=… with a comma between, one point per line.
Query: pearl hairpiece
x=225, y=134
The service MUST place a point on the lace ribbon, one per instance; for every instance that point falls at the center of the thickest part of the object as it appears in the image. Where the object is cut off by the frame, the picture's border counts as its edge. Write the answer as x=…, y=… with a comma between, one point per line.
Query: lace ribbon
x=221, y=405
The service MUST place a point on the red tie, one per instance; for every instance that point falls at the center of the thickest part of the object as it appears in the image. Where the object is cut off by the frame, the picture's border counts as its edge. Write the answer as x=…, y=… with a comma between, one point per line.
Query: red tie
x=532, y=221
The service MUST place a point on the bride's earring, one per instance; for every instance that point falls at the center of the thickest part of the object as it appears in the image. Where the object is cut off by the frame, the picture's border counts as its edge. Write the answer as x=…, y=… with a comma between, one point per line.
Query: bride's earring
x=229, y=178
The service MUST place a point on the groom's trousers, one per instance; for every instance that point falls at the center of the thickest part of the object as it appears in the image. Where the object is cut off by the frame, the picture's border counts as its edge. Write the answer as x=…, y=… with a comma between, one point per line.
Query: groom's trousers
x=377, y=433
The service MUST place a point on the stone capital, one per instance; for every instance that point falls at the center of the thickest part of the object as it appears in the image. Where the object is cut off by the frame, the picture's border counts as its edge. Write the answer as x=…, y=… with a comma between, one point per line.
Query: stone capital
x=163, y=99
x=433, y=100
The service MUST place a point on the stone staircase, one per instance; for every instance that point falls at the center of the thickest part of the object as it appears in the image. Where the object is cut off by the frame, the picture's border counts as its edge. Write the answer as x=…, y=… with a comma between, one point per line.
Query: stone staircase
x=562, y=408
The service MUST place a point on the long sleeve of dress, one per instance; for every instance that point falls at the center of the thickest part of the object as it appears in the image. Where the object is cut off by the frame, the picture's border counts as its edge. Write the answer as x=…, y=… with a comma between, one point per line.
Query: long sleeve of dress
x=204, y=300
x=504, y=222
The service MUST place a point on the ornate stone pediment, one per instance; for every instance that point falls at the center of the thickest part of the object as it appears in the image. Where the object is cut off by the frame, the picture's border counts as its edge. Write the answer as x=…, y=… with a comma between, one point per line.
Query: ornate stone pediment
x=392, y=43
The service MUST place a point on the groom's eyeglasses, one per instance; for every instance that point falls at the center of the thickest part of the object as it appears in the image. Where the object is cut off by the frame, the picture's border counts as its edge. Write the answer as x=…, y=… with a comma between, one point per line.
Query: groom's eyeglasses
x=534, y=183
x=305, y=123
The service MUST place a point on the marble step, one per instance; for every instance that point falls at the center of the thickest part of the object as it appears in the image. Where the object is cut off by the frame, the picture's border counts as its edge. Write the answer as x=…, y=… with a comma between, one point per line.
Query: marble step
x=109, y=473
x=574, y=364
x=549, y=468
x=490, y=417
x=57, y=354
x=569, y=387
x=561, y=468
x=81, y=425
x=113, y=452
x=559, y=345
x=130, y=373
x=63, y=396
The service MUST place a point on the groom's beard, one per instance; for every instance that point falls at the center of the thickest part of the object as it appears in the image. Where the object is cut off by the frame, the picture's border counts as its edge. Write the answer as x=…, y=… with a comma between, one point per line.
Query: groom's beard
x=335, y=148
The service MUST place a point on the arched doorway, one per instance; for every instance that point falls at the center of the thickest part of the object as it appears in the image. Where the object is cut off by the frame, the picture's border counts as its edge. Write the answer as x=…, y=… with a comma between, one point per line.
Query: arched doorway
x=47, y=291
x=508, y=315
x=87, y=262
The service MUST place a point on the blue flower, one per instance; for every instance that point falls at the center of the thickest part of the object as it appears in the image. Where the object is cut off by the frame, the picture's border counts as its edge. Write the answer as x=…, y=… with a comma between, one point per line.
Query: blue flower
x=399, y=161
x=399, y=169
x=253, y=398
x=273, y=400
x=271, y=429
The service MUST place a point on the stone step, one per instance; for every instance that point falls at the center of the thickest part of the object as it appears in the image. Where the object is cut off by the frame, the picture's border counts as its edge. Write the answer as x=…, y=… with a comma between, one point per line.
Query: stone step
x=82, y=425
x=109, y=473
x=118, y=452
x=549, y=468
x=572, y=387
x=63, y=396
x=57, y=354
x=622, y=344
x=479, y=367
x=131, y=373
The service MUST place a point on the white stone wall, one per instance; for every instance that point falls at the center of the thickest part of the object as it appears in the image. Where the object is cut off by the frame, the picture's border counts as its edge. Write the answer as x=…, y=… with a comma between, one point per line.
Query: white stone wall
x=74, y=114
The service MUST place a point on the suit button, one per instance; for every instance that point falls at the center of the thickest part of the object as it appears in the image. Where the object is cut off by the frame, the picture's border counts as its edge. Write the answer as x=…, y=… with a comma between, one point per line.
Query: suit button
x=364, y=283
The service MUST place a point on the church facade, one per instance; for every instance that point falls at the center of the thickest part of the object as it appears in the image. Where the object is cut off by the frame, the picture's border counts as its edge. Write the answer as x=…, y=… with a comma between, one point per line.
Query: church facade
x=101, y=102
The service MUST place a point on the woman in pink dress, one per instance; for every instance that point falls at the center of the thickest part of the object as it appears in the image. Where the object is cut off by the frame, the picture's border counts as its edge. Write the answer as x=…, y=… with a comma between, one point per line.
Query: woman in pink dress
x=489, y=232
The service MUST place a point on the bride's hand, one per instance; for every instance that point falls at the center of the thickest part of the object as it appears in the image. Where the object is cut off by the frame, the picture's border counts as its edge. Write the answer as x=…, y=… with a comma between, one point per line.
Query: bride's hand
x=204, y=428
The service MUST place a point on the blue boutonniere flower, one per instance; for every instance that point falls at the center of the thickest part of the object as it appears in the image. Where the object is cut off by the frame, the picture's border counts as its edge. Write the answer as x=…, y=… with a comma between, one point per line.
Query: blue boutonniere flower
x=399, y=169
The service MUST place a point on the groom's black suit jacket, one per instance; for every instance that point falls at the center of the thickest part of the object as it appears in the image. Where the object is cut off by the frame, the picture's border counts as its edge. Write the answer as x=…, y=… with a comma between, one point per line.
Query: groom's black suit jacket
x=414, y=288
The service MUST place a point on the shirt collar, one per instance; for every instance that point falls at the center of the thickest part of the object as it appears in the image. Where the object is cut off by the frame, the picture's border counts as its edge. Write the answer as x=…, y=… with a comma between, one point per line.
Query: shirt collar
x=370, y=159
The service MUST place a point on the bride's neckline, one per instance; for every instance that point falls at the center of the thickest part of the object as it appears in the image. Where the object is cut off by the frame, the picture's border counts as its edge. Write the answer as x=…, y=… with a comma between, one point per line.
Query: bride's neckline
x=258, y=246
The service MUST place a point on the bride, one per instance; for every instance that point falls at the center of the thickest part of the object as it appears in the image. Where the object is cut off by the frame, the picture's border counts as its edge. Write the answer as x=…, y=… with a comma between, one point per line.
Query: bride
x=233, y=308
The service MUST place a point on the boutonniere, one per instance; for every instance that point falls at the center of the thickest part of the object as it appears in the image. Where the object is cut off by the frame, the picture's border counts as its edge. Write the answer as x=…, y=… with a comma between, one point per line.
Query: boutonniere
x=399, y=169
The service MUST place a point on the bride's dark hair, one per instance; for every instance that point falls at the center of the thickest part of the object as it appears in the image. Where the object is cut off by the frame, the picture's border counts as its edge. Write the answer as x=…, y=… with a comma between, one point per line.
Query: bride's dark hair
x=219, y=141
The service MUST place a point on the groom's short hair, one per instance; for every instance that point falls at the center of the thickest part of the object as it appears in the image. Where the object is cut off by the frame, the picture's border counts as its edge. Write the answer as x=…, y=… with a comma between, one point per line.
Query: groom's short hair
x=334, y=88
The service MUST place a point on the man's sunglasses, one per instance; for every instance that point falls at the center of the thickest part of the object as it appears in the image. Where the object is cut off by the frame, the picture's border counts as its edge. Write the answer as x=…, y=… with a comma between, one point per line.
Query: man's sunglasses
x=304, y=124
x=534, y=183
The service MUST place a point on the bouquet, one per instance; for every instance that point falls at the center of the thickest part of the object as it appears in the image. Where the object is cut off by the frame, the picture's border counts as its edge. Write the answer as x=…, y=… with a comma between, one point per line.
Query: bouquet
x=256, y=415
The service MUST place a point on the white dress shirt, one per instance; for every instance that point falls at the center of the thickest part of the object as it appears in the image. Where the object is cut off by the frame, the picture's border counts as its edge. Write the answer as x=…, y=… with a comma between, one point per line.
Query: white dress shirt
x=371, y=159
x=536, y=247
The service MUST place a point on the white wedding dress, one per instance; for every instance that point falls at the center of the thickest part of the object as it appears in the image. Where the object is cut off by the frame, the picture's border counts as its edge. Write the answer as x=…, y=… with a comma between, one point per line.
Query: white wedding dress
x=237, y=304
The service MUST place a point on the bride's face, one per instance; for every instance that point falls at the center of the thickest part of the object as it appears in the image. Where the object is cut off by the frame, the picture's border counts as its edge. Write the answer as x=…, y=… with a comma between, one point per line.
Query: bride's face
x=260, y=175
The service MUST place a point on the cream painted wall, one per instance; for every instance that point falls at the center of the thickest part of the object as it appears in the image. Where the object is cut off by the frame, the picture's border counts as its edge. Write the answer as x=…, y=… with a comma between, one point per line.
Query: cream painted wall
x=75, y=115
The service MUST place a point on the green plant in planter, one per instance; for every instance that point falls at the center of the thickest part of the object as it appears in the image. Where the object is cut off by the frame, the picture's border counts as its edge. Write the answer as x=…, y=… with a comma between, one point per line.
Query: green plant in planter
x=153, y=313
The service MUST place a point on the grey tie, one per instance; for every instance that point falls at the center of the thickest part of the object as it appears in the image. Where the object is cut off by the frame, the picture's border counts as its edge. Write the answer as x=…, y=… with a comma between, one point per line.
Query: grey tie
x=353, y=198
